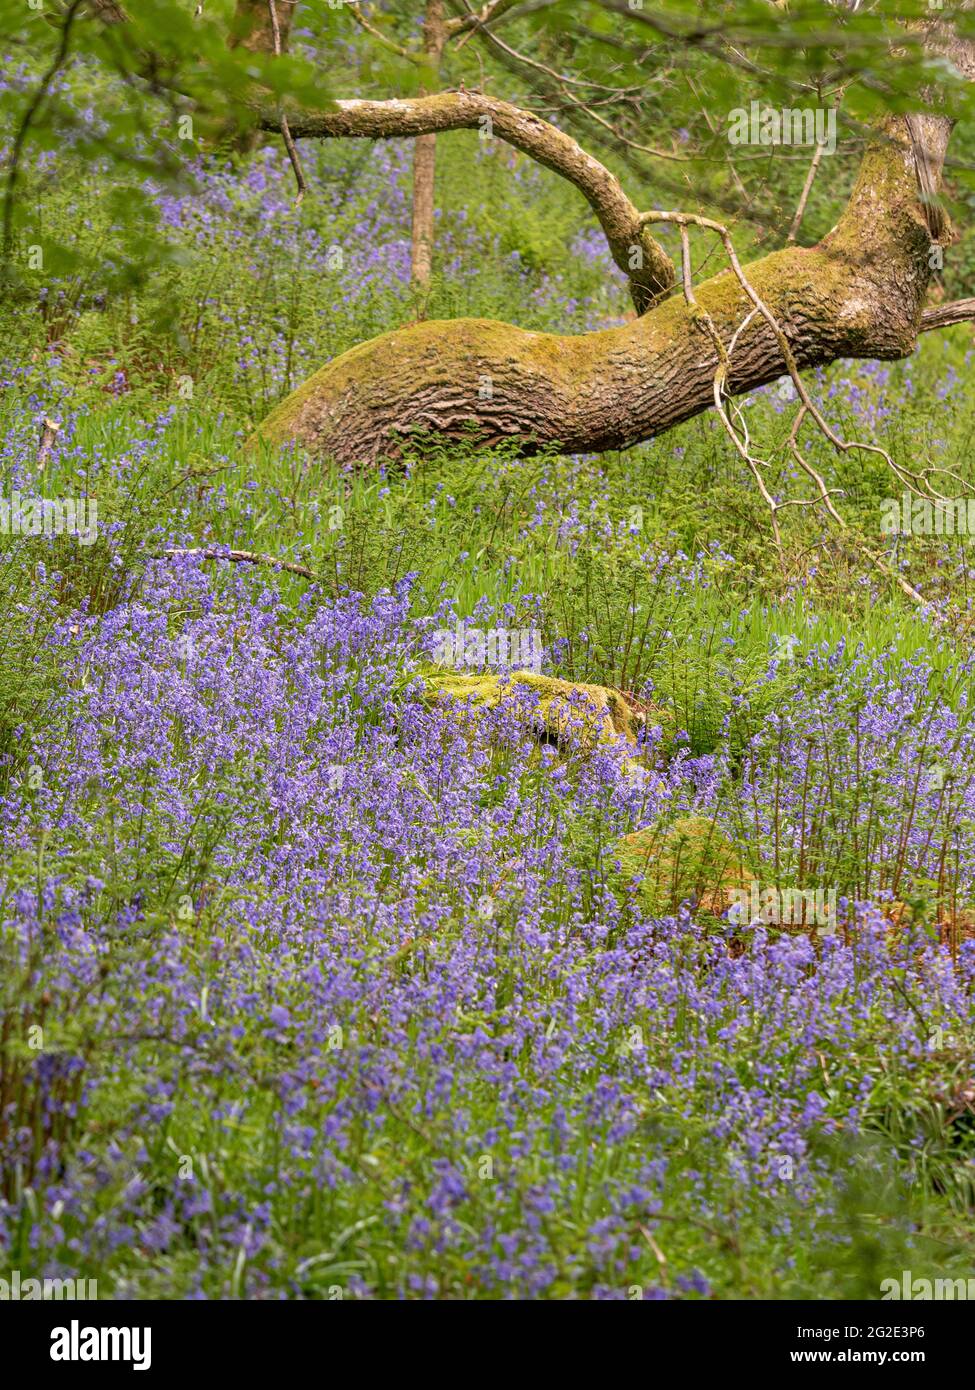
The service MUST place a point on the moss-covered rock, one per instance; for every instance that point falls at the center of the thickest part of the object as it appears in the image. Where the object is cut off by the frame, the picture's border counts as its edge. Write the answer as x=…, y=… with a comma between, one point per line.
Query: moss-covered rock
x=689, y=860
x=565, y=713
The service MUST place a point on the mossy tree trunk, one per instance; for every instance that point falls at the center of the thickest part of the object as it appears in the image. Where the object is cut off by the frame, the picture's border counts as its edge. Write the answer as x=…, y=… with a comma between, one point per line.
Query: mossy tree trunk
x=859, y=293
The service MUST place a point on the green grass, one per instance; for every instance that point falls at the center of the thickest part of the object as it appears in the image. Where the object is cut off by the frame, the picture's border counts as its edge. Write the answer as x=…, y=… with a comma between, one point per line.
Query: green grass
x=651, y=571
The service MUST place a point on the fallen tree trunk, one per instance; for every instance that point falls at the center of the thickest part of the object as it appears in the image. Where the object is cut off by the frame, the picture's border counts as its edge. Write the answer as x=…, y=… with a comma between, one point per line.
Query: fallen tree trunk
x=859, y=293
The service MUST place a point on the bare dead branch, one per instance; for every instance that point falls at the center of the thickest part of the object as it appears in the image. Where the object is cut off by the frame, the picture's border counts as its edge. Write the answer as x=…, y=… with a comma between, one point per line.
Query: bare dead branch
x=49, y=433
x=247, y=557
x=916, y=481
x=944, y=315
x=289, y=143
x=804, y=196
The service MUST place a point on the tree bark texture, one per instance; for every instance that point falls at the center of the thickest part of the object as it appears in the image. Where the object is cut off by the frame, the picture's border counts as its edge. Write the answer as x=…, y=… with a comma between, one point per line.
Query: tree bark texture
x=425, y=159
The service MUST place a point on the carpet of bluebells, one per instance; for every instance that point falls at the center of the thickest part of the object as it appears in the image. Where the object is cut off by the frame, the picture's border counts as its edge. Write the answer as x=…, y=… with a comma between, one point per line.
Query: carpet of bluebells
x=313, y=986
x=335, y=995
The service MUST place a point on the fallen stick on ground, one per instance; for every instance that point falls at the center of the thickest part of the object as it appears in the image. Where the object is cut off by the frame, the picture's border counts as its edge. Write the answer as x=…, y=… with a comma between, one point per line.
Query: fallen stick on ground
x=248, y=557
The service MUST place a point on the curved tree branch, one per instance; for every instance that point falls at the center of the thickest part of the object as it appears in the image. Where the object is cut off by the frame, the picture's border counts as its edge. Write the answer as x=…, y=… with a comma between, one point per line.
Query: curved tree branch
x=635, y=251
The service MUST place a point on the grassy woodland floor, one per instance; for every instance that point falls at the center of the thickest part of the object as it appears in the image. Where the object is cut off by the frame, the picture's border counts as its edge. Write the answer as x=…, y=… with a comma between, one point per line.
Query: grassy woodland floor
x=315, y=983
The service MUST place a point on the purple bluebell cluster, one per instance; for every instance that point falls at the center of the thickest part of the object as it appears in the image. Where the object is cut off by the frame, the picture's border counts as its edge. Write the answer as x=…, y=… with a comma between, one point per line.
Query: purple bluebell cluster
x=336, y=990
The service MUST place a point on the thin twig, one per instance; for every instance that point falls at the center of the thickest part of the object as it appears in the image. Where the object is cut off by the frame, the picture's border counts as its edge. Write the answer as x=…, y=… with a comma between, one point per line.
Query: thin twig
x=806, y=190
x=585, y=106
x=826, y=498
x=388, y=43
x=702, y=317
x=247, y=557
x=13, y=168
x=289, y=143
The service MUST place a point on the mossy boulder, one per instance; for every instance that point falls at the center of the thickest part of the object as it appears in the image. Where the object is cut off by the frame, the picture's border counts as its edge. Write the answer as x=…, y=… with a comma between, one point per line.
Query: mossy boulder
x=566, y=713
x=691, y=860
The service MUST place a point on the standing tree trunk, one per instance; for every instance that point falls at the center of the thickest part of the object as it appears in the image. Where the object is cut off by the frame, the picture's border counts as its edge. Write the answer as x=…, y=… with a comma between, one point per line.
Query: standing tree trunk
x=424, y=160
